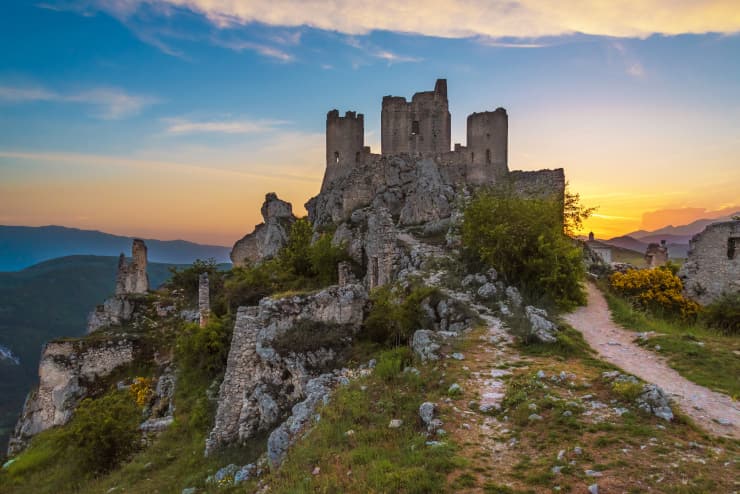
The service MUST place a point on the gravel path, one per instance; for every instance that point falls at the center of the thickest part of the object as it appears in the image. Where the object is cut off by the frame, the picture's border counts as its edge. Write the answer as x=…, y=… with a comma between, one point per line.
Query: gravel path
x=715, y=412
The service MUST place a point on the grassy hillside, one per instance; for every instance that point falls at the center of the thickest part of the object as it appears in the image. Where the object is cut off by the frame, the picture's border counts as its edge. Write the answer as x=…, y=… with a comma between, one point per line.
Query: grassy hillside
x=46, y=301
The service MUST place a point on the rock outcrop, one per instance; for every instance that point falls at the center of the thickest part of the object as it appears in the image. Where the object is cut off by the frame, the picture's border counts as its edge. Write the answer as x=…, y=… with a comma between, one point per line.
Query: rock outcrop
x=267, y=238
x=713, y=265
x=67, y=372
x=276, y=348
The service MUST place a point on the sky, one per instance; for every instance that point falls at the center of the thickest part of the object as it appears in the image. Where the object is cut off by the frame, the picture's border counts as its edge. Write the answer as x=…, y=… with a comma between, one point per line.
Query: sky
x=173, y=118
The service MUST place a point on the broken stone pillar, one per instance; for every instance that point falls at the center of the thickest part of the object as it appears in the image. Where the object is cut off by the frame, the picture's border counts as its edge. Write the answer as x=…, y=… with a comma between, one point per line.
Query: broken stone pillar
x=204, y=300
x=132, y=277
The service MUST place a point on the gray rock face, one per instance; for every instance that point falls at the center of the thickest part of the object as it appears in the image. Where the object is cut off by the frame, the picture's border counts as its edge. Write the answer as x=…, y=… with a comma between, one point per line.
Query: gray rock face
x=264, y=376
x=541, y=327
x=267, y=238
x=424, y=344
x=654, y=400
x=115, y=311
x=66, y=371
x=487, y=291
x=317, y=392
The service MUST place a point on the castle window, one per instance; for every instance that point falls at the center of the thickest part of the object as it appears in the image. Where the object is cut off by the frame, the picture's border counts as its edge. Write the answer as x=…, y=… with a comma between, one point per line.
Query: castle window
x=357, y=157
x=472, y=157
x=732, y=247
x=488, y=156
x=414, y=127
x=336, y=157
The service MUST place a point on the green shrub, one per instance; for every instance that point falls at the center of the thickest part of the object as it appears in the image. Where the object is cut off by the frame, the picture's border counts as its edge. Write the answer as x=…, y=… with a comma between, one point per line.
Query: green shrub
x=104, y=432
x=524, y=240
x=394, y=316
x=723, y=315
x=627, y=391
x=186, y=279
x=202, y=352
x=247, y=285
x=391, y=363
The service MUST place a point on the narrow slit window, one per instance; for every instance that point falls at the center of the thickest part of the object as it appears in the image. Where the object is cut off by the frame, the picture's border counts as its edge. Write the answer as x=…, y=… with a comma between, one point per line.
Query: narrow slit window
x=732, y=246
x=414, y=127
x=488, y=156
x=336, y=157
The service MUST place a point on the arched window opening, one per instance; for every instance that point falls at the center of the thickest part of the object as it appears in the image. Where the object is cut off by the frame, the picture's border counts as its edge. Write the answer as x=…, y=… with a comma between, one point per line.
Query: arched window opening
x=357, y=157
x=336, y=157
x=414, y=127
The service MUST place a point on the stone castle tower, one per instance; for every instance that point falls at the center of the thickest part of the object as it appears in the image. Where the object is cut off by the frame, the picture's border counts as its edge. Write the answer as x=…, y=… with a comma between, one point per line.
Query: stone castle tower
x=420, y=128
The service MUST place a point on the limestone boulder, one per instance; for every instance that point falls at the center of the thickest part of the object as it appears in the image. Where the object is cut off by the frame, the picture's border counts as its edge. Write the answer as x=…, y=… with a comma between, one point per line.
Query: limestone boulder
x=267, y=238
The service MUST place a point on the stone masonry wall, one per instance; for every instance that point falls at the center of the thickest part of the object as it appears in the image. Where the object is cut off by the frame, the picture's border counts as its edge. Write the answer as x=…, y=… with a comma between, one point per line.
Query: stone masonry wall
x=713, y=265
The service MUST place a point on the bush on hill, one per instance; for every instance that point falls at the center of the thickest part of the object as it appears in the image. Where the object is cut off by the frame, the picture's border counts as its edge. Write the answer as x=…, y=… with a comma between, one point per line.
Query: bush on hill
x=525, y=241
x=658, y=291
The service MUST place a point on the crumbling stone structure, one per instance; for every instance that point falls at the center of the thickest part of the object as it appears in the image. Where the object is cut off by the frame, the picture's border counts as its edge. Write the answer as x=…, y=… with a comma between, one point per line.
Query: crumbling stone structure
x=132, y=277
x=131, y=280
x=204, y=299
x=713, y=265
x=656, y=255
x=267, y=238
x=263, y=378
x=420, y=128
x=67, y=372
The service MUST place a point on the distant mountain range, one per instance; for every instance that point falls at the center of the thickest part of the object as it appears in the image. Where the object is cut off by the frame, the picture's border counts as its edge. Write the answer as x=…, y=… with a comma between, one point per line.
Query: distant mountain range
x=676, y=237
x=43, y=302
x=23, y=246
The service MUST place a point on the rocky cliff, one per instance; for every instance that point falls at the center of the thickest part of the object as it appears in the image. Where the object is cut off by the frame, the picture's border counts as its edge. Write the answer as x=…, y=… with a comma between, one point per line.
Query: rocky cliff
x=268, y=237
x=276, y=348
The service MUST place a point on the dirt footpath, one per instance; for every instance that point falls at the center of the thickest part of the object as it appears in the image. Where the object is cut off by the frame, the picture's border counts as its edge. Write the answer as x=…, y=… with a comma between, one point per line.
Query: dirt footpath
x=715, y=412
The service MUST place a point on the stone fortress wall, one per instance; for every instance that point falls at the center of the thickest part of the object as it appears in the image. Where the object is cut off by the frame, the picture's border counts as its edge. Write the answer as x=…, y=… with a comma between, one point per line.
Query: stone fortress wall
x=420, y=128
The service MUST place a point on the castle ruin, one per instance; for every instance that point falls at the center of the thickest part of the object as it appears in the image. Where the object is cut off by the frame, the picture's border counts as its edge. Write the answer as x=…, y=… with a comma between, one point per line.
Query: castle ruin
x=713, y=265
x=132, y=276
x=420, y=128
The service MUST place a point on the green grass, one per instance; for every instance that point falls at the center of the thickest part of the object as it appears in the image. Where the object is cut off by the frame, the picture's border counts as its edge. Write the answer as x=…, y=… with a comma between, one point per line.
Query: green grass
x=699, y=354
x=373, y=458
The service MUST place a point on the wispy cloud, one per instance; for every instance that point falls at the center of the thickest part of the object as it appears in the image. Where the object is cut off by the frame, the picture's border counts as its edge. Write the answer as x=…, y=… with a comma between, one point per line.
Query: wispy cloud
x=493, y=18
x=109, y=103
x=499, y=43
x=632, y=66
x=179, y=126
x=264, y=50
x=374, y=51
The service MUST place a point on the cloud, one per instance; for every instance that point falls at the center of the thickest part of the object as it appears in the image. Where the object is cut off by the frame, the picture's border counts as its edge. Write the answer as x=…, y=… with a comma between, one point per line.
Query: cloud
x=180, y=126
x=264, y=50
x=457, y=19
x=632, y=66
x=109, y=103
x=376, y=52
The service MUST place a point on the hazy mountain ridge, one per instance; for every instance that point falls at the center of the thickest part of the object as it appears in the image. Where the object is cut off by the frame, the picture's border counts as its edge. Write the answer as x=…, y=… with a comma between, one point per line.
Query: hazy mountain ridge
x=676, y=237
x=23, y=246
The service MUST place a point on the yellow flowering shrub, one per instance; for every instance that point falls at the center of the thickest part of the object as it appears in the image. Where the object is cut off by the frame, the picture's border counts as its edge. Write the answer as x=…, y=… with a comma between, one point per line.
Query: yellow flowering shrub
x=142, y=390
x=656, y=290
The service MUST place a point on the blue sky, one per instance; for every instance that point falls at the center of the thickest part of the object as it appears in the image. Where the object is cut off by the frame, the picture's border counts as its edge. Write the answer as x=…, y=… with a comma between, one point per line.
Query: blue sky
x=173, y=118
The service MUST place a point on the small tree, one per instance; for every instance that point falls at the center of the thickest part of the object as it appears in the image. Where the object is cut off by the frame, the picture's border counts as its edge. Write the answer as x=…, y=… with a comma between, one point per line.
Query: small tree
x=104, y=432
x=524, y=240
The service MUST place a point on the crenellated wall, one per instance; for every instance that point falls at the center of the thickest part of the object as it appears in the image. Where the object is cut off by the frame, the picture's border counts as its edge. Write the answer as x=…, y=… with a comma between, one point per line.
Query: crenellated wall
x=345, y=143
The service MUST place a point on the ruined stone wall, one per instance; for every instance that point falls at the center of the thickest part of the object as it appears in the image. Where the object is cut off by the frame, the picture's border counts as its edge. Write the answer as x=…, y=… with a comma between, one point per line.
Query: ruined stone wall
x=539, y=184
x=345, y=142
x=487, y=147
x=713, y=264
x=132, y=276
x=204, y=299
x=263, y=381
x=66, y=371
x=421, y=126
